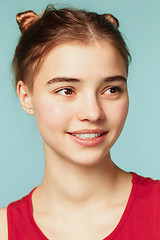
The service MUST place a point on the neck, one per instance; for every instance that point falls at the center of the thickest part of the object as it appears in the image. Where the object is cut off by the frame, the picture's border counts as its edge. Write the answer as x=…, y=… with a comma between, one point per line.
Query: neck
x=71, y=184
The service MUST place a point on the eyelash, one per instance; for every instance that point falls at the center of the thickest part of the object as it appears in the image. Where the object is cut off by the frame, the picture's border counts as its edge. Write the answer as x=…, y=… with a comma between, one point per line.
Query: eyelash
x=65, y=89
x=117, y=88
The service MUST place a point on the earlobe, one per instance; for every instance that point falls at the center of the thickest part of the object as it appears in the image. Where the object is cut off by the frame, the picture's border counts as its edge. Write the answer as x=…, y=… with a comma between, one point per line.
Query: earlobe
x=24, y=97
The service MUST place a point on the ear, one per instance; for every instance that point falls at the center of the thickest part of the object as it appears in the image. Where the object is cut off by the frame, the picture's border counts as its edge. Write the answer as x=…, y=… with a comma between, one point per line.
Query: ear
x=24, y=97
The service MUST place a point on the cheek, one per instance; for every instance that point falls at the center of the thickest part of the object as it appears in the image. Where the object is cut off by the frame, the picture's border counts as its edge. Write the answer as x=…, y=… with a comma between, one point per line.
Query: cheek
x=119, y=112
x=123, y=110
x=51, y=115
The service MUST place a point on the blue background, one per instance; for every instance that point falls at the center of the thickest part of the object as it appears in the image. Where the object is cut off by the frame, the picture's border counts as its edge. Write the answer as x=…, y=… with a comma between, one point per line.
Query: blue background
x=138, y=148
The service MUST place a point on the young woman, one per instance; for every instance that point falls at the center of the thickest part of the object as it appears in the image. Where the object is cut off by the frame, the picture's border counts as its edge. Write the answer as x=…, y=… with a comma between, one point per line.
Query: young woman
x=71, y=72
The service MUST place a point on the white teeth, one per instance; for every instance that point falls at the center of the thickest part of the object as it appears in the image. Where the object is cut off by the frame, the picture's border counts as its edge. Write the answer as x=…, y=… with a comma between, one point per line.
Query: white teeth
x=87, y=135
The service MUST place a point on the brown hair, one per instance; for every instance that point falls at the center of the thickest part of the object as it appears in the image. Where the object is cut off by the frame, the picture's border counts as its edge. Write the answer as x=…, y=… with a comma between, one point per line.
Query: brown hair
x=55, y=26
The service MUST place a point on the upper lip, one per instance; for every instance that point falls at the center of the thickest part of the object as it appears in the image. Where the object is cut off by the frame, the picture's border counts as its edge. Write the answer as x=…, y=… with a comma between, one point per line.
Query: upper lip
x=85, y=131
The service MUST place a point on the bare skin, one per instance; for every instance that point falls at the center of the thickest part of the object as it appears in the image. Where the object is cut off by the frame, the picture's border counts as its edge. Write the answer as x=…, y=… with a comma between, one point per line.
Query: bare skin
x=92, y=218
x=88, y=206
x=3, y=224
x=83, y=193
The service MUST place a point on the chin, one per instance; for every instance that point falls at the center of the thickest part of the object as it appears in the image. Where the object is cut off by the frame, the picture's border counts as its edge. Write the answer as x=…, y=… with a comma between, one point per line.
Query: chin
x=90, y=160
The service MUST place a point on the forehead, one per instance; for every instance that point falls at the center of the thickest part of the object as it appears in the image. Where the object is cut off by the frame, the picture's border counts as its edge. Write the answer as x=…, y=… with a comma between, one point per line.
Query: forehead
x=79, y=60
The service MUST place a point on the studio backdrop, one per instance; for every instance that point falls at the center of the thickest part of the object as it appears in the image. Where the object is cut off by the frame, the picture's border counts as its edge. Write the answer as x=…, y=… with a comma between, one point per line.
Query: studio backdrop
x=138, y=148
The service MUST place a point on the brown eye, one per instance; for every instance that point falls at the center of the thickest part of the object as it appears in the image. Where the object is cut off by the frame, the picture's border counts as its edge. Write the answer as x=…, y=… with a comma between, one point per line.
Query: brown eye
x=65, y=91
x=113, y=90
x=68, y=91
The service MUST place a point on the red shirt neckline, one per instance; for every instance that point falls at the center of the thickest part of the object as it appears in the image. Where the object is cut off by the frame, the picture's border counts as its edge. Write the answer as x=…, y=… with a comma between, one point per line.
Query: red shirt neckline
x=115, y=231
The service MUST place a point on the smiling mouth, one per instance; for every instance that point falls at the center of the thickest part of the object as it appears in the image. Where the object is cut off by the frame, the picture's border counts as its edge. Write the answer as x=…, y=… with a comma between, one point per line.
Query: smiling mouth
x=87, y=135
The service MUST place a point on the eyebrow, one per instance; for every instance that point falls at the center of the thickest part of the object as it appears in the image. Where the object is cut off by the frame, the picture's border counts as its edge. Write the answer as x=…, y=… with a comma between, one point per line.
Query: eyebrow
x=115, y=78
x=62, y=79
x=68, y=79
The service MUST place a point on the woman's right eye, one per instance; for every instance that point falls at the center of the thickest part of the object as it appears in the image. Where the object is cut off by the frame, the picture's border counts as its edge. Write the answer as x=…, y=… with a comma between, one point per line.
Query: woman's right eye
x=65, y=91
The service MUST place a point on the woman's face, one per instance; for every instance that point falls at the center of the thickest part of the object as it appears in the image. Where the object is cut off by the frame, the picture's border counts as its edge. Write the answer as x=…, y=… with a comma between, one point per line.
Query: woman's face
x=80, y=101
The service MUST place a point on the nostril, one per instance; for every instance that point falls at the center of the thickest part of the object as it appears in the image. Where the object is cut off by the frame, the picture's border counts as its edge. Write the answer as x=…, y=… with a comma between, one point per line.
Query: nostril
x=91, y=114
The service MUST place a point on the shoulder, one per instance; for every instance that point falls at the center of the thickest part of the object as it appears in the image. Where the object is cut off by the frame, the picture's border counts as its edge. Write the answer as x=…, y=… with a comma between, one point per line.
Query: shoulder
x=3, y=224
x=145, y=181
x=146, y=188
x=15, y=210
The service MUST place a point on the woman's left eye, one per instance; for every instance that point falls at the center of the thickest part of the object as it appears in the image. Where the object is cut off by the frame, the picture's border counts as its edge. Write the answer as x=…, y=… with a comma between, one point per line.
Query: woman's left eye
x=65, y=91
x=113, y=90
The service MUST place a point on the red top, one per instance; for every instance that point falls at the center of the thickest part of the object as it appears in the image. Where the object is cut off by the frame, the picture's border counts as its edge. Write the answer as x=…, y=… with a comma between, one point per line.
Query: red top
x=140, y=220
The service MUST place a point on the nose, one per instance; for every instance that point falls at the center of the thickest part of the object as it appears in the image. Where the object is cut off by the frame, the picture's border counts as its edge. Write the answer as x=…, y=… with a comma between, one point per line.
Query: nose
x=90, y=109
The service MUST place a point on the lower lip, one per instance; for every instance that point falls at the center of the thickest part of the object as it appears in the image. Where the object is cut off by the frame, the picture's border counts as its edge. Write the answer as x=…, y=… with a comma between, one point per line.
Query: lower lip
x=89, y=142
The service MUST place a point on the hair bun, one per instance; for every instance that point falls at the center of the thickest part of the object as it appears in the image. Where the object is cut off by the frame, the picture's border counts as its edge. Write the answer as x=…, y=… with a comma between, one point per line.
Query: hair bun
x=112, y=19
x=26, y=19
